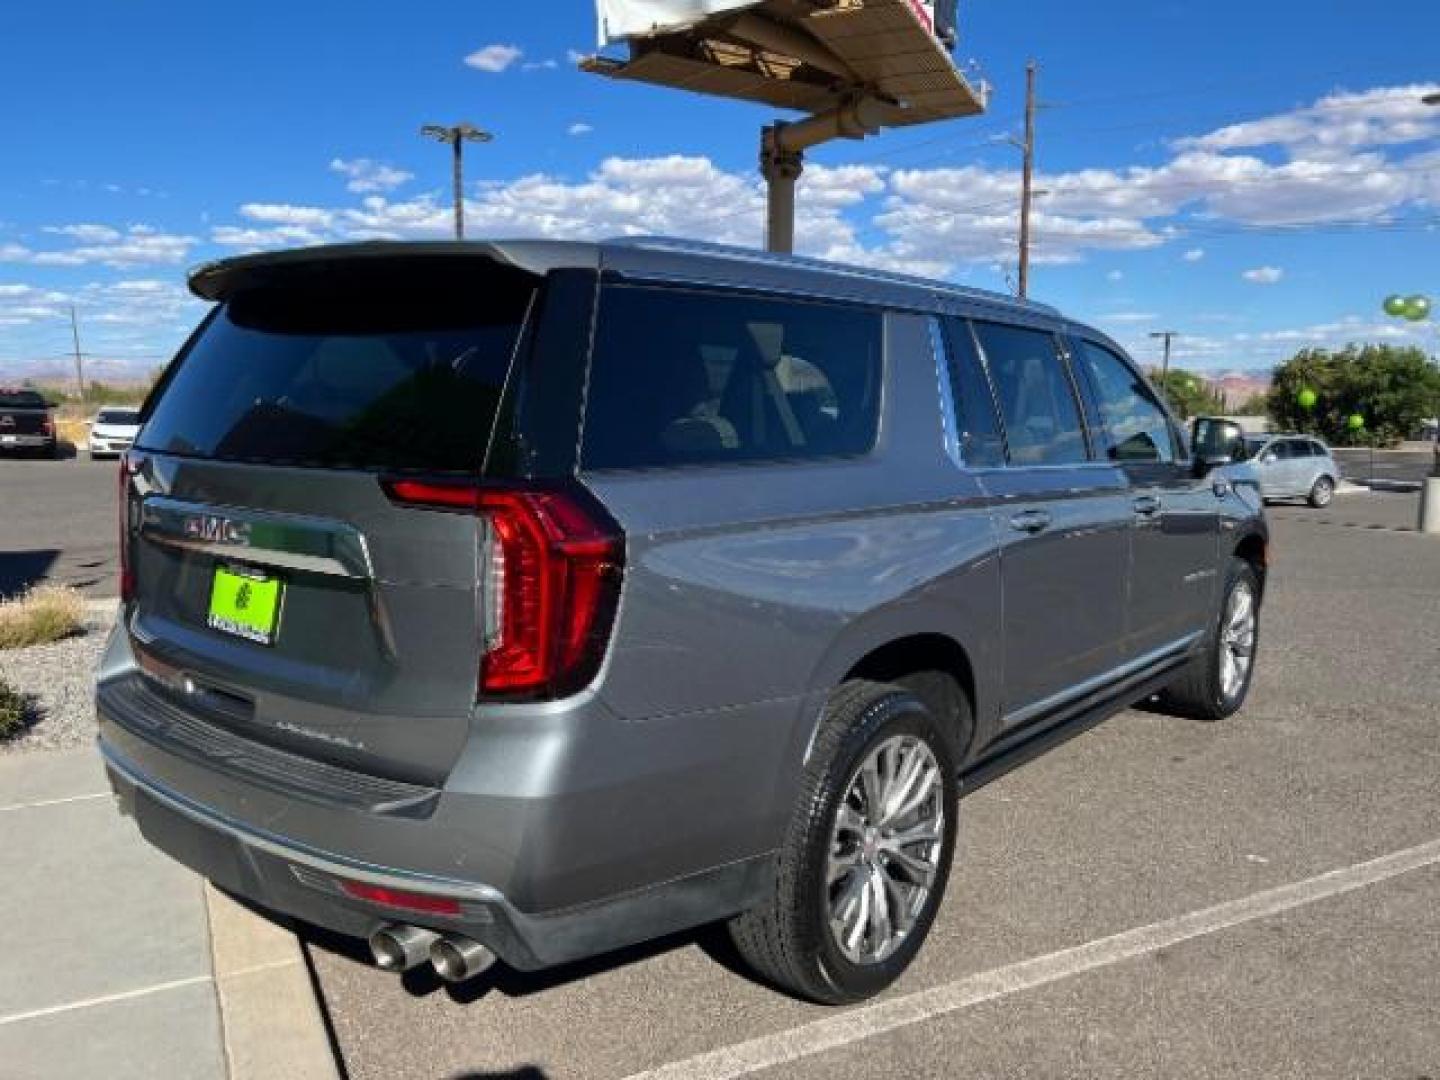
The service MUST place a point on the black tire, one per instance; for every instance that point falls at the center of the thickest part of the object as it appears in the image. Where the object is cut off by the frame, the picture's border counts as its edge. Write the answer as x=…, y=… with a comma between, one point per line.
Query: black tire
x=787, y=939
x=1199, y=692
x=1321, y=493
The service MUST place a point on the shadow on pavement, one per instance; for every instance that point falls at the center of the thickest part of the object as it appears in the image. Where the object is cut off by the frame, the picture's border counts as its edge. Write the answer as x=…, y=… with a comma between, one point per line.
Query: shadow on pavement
x=525, y=1072
x=21, y=569
x=422, y=981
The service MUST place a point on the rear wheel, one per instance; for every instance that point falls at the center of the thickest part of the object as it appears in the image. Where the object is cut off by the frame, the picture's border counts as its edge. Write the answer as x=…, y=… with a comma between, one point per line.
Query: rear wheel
x=1214, y=684
x=1322, y=492
x=865, y=860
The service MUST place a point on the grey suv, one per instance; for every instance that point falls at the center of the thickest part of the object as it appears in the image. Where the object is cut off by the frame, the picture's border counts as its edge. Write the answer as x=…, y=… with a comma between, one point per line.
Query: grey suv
x=531, y=599
x=1293, y=467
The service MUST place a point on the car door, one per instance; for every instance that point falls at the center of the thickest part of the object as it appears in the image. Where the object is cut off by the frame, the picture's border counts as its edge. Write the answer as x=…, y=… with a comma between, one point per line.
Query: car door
x=1174, y=516
x=1061, y=518
x=1278, y=467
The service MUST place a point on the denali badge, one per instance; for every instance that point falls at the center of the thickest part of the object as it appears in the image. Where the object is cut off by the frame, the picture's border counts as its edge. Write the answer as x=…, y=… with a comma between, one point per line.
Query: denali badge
x=216, y=530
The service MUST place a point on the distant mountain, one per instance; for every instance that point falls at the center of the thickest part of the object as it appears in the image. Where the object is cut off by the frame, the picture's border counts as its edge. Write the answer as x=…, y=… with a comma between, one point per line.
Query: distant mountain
x=62, y=372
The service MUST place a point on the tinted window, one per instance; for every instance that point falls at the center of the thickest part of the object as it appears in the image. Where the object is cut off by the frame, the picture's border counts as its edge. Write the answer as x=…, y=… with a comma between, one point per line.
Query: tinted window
x=1284, y=449
x=1319, y=450
x=685, y=377
x=116, y=416
x=21, y=399
x=981, y=443
x=1138, y=428
x=372, y=369
x=1037, y=402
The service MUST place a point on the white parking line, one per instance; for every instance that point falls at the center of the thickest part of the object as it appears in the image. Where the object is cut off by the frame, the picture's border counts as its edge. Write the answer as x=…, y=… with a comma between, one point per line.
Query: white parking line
x=54, y=802
x=868, y=1021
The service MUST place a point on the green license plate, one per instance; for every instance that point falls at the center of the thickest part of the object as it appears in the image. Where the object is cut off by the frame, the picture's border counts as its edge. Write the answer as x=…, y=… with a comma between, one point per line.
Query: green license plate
x=245, y=603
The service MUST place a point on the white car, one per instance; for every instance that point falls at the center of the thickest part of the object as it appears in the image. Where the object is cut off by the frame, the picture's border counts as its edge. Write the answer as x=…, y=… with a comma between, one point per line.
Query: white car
x=112, y=431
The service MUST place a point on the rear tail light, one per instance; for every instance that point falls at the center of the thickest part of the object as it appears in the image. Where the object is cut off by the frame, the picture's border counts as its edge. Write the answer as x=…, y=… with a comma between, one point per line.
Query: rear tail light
x=553, y=575
x=47, y=426
x=127, y=571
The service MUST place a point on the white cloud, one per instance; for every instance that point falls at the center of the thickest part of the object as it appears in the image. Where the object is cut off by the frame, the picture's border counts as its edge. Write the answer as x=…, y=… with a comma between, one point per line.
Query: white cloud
x=1194, y=255
x=494, y=58
x=1264, y=275
x=364, y=175
x=287, y=214
x=138, y=245
x=579, y=128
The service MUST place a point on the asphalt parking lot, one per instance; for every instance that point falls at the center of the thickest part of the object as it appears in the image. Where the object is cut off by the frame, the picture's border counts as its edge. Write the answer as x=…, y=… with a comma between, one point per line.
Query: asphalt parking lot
x=1131, y=830
x=58, y=524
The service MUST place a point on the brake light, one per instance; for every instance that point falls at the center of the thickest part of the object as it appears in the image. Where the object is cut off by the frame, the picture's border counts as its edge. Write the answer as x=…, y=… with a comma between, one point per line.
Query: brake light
x=553, y=581
x=399, y=898
x=47, y=426
x=127, y=572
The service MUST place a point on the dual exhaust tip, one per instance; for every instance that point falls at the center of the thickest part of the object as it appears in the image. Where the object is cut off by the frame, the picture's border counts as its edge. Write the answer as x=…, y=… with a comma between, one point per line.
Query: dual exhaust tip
x=454, y=958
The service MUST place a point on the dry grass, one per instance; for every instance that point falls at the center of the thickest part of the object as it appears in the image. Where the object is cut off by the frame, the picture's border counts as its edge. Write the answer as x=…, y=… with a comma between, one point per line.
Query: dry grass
x=44, y=614
x=13, y=711
x=74, y=432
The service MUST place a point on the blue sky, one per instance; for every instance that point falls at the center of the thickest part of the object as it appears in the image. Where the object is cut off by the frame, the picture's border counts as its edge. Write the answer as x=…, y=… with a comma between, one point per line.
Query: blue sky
x=1257, y=176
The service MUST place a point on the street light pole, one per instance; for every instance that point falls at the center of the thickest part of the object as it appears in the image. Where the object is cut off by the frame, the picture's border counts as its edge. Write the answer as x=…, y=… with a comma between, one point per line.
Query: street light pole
x=457, y=135
x=1168, y=336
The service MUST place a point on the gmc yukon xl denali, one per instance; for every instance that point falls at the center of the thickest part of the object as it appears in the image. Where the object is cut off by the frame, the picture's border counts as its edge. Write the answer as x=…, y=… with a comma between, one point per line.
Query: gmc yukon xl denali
x=525, y=600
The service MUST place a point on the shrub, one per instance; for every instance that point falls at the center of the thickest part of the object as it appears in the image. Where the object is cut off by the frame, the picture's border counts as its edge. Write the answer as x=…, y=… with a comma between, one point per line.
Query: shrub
x=14, y=710
x=44, y=614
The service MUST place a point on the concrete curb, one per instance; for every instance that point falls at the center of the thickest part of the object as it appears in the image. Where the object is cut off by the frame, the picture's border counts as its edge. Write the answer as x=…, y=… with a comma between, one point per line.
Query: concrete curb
x=269, y=1019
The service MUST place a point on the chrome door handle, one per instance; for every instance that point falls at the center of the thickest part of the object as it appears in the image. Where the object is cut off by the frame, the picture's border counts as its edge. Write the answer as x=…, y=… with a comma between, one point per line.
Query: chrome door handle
x=1030, y=521
x=1147, y=506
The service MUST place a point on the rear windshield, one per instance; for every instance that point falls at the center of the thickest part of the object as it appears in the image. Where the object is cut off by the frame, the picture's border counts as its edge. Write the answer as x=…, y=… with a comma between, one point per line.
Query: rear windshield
x=368, y=368
x=117, y=416
x=21, y=399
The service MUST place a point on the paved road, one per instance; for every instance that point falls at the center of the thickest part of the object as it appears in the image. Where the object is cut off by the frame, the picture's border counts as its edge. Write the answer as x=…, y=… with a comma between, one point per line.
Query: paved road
x=1125, y=831
x=59, y=524
x=1405, y=466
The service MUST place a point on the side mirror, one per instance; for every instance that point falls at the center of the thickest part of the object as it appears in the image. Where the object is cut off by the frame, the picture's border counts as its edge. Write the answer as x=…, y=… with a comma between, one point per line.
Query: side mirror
x=1215, y=442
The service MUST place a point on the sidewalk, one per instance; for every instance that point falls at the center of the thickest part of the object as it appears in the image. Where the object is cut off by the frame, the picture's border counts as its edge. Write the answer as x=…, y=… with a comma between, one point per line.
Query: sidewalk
x=116, y=961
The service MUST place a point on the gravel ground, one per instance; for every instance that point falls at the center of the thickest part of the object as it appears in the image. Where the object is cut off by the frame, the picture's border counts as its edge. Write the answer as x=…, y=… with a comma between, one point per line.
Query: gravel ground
x=60, y=678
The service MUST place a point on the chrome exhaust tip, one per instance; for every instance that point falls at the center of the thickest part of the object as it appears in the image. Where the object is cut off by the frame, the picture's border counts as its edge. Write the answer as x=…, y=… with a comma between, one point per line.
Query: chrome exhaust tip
x=400, y=948
x=457, y=959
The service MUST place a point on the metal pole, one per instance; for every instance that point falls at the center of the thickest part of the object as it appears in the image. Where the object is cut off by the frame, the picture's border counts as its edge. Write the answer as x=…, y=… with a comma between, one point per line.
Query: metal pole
x=1027, y=183
x=781, y=169
x=79, y=361
x=459, y=181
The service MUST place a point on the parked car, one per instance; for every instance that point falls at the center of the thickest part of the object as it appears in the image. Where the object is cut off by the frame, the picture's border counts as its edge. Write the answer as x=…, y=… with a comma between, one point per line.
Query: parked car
x=113, y=431
x=1294, y=467
x=27, y=423
x=529, y=600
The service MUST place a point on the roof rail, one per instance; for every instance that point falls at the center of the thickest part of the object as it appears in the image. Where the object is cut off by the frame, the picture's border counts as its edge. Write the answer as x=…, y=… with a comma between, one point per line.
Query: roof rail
x=683, y=245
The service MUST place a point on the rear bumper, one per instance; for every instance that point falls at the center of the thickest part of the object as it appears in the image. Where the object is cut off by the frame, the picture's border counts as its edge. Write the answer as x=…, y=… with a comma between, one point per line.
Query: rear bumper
x=563, y=830
x=288, y=878
x=26, y=442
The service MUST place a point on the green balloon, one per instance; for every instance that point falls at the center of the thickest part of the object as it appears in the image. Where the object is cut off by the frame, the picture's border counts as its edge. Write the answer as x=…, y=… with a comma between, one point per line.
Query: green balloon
x=1417, y=308
x=1356, y=421
x=1307, y=398
x=1397, y=306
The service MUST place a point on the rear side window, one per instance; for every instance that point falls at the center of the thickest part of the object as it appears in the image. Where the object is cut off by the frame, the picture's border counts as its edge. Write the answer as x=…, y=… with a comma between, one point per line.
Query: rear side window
x=1037, y=400
x=367, y=368
x=981, y=444
x=1139, y=430
x=681, y=378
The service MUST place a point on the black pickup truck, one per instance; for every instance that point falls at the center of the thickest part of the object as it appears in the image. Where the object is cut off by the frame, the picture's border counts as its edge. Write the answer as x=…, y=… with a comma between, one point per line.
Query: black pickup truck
x=26, y=423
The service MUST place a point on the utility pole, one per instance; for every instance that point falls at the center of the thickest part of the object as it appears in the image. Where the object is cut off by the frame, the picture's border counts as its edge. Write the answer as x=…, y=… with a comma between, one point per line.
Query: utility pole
x=1168, y=336
x=1027, y=183
x=79, y=361
x=457, y=135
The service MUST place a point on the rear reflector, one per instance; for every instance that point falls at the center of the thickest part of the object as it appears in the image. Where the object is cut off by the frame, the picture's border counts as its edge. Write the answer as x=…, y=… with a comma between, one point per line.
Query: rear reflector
x=552, y=584
x=401, y=900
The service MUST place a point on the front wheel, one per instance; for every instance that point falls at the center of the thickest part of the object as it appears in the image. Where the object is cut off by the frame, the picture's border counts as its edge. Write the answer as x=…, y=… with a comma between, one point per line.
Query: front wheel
x=1322, y=493
x=865, y=860
x=1215, y=683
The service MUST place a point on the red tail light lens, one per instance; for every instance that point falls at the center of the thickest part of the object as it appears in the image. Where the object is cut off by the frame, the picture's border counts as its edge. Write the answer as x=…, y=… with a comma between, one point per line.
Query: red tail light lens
x=127, y=572
x=398, y=898
x=553, y=579
x=47, y=426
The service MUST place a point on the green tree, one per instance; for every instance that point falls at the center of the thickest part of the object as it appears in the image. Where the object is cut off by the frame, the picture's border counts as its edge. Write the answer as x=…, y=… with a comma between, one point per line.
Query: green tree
x=1188, y=393
x=1393, y=388
x=1254, y=405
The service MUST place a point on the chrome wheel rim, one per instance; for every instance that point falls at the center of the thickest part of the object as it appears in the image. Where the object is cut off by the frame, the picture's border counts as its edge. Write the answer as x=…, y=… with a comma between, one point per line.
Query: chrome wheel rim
x=1237, y=640
x=885, y=849
x=1323, y=491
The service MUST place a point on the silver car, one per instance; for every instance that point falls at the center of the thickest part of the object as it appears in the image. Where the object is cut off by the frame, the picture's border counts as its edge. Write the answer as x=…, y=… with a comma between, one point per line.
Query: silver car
x=1294, y=467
